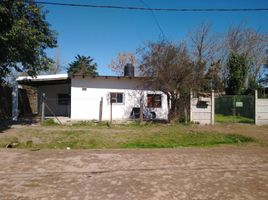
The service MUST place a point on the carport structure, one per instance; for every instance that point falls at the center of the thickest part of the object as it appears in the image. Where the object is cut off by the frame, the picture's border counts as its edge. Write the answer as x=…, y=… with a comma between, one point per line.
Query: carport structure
x=57, y=89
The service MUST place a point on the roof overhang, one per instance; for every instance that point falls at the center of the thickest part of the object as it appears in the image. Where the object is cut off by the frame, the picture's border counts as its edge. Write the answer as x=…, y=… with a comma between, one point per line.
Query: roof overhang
x=64, y=79
x=109, y=77
x=44, y=80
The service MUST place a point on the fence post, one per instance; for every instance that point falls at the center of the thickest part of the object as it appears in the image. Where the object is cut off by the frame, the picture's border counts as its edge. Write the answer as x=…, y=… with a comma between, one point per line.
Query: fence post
x=15, y=102
x=256, y=102
x=100, y=109
x=212, y=107
x=141, y=108
x=191, y=97
x=43, y=107
x=111, y=110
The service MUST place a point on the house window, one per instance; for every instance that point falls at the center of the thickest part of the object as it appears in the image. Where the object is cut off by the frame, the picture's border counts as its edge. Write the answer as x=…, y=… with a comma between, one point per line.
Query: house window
x=116, y=97
x=154, y=101
x=63, y=99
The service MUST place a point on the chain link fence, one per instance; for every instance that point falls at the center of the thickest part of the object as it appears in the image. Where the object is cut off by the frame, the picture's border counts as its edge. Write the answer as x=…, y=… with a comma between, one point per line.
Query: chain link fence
x=235, y=108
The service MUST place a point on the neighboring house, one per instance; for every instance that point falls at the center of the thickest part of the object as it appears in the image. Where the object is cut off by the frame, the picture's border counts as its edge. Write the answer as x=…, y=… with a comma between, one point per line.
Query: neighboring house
x=79, y=97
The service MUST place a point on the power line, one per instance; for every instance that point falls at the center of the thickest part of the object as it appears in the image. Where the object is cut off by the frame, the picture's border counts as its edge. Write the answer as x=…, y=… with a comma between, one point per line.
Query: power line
x=155, y=19
x=152, y=9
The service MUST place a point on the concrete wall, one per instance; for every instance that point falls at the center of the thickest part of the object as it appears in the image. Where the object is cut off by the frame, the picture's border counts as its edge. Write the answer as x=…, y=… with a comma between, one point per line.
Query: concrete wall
x=85, y=102
x=52, y=92
x=261, y=110
x=201, y=114
x=202, y=109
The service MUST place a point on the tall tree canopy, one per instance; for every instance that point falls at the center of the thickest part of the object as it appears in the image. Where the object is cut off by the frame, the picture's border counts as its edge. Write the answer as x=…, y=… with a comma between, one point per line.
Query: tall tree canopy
x=244, y=41
x=238, y=69
x=83, y=66
x=24, y=36
x=169, y=69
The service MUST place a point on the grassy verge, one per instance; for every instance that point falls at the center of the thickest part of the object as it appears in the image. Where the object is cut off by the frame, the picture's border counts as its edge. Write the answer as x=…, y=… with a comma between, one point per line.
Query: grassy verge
x=232, y=119
x=87, y=136
x=187, y=140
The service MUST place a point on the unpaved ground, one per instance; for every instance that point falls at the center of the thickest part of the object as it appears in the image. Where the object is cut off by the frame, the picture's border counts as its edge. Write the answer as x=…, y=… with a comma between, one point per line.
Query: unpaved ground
x=183, y=173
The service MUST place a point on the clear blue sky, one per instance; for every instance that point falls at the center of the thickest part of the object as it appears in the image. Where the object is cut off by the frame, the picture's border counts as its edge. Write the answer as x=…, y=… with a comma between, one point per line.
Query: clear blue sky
x=102, y=33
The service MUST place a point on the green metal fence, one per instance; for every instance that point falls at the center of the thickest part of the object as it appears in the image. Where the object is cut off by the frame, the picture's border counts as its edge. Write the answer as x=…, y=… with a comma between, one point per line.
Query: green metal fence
x=235, y=108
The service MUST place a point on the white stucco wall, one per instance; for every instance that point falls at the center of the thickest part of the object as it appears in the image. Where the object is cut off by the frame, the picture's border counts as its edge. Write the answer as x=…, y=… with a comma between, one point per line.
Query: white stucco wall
x=85, y=104
x=51, y=92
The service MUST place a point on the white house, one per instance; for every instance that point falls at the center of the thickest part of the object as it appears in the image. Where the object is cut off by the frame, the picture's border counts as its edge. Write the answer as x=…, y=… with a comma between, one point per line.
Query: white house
x=80, y=97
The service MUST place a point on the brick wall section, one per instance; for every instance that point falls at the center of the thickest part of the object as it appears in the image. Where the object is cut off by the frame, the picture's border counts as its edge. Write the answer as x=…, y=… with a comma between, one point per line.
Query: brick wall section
x=28, y=99
x=27, y=102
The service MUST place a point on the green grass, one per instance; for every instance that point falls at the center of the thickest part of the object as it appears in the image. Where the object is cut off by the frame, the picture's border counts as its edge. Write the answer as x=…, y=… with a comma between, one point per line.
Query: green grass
x=232, y=119
x=90, y=124
x=49, y=122
x=86, y=136
x=172, y=140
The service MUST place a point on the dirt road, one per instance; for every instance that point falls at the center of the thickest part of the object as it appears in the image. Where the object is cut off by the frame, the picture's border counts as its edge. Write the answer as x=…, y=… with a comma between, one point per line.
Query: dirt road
x=183, y=173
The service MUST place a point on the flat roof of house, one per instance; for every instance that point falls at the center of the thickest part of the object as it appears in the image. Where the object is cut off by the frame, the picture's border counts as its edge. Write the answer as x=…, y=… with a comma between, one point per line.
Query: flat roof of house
x=43, y=79
x=60, y=79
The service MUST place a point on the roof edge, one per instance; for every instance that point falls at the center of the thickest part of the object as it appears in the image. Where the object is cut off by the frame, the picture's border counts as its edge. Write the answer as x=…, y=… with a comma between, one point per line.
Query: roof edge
x=65, y=77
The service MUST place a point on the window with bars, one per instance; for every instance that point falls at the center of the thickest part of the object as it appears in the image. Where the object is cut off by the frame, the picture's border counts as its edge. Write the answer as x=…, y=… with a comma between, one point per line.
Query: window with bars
x=154, y=101
x=117, y=97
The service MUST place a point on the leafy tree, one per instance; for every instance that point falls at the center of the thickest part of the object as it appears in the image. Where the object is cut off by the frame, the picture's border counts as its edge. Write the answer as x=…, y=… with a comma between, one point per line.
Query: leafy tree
x=24, y=36
x=83, y=66
x=238, y=71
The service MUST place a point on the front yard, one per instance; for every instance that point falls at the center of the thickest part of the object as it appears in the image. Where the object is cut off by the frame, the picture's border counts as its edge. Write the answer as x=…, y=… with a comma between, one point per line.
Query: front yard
x=230, y=159
x=88, y=135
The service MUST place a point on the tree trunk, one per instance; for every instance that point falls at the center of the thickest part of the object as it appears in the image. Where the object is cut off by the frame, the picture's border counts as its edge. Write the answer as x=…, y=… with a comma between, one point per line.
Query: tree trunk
x=168, y=105
x=173, y=114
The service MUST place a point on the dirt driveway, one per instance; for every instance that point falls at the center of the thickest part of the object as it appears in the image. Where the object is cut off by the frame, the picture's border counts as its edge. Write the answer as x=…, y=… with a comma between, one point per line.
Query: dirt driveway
x=183, y=173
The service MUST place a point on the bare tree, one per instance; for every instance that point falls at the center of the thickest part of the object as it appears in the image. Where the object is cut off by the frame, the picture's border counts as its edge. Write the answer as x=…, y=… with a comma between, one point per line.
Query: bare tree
x=249, y=42
x=204, y=47
x=122, y=59
x=169, y=69
x=202, y=43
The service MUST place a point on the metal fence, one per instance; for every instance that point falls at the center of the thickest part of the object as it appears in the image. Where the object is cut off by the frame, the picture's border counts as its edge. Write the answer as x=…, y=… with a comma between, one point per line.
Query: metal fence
x=57, y=107
x=235, y=105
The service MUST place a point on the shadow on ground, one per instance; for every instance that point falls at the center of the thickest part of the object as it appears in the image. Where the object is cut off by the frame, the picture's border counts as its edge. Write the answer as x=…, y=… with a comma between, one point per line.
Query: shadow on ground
x=7, y=123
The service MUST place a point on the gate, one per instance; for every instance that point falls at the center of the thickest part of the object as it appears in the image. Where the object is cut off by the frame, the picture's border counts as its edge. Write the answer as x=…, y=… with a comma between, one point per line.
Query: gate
x=235, y=109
